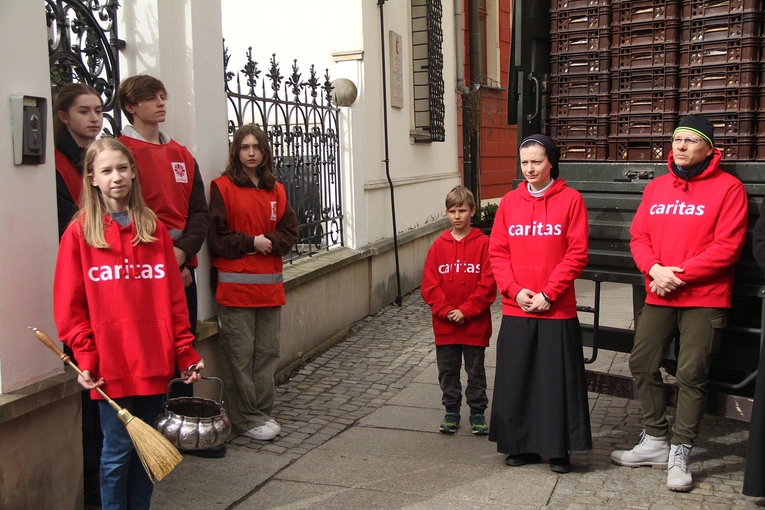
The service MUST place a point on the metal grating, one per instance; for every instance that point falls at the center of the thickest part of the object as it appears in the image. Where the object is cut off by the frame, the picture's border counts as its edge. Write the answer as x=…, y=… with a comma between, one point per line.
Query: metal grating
x=428, y=68
x=83, y=47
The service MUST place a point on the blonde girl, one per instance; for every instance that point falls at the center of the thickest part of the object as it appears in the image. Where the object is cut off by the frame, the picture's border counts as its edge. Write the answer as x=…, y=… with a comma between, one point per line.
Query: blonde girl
x=119, y=304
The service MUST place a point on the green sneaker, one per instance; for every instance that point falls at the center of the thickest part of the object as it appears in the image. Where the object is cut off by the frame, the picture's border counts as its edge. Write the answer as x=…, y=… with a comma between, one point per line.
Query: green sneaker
x=451, y=423
x=478, y=424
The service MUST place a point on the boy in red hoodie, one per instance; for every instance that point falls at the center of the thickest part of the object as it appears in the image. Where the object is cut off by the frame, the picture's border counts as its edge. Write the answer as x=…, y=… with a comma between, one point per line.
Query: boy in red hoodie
x=459, y=286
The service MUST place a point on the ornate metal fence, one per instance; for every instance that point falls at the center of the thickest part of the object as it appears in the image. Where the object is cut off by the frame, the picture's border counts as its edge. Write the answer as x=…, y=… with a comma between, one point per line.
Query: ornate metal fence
x=302, y=129
x=83, y=48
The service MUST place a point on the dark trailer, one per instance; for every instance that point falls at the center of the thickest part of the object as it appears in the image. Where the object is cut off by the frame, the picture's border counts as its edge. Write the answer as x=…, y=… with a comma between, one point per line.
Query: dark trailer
x=609, y=80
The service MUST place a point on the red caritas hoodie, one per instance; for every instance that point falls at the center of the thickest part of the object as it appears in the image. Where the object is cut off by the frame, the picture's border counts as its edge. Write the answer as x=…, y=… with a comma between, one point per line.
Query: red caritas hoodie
x=540, y=244
x=698, y=225
x=458, y=275
x=122, y=310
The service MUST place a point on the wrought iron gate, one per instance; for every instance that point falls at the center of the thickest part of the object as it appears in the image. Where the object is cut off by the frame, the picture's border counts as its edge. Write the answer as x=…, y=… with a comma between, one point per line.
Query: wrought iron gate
x=302, y=129
x=83, y=48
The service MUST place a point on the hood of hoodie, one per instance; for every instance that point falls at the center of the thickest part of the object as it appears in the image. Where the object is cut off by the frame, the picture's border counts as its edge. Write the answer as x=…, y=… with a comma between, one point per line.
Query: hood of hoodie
x=712, y=168
x=131, y=132
x=539, y=204
x=120, y=240
x=472, y=235
x=558, y=185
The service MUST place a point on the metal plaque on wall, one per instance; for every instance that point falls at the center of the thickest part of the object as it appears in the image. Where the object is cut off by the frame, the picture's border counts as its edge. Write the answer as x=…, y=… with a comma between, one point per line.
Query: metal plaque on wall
x=396, y=56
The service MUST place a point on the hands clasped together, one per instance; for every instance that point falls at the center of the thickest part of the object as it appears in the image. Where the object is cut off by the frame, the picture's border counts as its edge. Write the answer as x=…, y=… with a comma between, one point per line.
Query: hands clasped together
x=532, y=302
x=664, y=279
x=456, y=316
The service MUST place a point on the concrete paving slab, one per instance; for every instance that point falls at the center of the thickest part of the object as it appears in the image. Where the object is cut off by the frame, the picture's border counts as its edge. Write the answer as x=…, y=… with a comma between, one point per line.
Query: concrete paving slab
x=430, y=375
x=418, y=395
x=216, y=483
x=460, y=448
x=444, y=502
x=484, y=483
x=602, y=363
x=490, y=360
x=530, y=489
x=415, y=418
x=615, y=303
x=427, y=396
x=288, y=495
x=285, y=495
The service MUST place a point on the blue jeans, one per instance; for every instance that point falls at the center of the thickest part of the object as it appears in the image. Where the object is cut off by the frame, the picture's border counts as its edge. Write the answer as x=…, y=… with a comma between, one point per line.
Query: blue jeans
x=124, y=483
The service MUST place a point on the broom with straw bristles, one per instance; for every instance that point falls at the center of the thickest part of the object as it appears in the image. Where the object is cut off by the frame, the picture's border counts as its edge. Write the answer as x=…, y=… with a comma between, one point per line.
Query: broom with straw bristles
x=158, y=456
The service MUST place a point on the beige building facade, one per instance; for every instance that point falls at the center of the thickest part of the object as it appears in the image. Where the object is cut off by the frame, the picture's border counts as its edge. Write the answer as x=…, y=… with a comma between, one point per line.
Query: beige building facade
x=179, y=41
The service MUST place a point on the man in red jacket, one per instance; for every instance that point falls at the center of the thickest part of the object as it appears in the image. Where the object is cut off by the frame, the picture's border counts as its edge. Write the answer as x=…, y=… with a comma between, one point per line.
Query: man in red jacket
x=687, y=235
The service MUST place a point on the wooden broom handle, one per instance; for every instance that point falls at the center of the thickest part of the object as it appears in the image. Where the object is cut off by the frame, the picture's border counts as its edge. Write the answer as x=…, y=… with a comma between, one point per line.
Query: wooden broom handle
x=48, y=341
x=50, y=344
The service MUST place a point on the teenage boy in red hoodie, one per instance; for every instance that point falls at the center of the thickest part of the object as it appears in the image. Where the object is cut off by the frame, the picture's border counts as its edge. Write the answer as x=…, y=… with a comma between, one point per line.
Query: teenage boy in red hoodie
x=459, y=286
x=172, y=188
x=687, y=236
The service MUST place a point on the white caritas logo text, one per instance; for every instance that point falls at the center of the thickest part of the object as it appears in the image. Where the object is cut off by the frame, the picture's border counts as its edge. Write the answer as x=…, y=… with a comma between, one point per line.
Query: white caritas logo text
x=126, y=272
x=459, y=267
x=678, y=208
x=535, y=229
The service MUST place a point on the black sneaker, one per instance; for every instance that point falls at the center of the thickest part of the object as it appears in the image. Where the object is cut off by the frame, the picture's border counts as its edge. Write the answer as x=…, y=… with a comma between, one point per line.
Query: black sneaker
x=560, y=465
x=451, y=423
x=521, y=459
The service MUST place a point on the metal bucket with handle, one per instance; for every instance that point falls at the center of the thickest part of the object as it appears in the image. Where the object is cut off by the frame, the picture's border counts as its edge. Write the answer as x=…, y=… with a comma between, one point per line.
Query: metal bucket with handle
x=194, y=423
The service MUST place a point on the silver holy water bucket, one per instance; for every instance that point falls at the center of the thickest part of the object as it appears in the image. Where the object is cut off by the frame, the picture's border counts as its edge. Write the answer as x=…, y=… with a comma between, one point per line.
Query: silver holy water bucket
x=194, y=423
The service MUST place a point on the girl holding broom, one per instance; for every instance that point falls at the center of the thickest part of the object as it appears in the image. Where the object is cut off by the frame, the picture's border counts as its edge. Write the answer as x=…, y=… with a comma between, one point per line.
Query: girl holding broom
x=119, y=304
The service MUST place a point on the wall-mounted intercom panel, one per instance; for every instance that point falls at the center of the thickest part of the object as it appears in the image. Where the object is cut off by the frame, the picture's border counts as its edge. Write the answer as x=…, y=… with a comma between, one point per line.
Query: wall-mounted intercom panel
x=28, y=128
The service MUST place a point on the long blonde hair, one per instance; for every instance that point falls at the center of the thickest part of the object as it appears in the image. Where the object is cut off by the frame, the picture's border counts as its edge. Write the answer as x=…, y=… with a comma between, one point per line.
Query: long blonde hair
x=91, y=215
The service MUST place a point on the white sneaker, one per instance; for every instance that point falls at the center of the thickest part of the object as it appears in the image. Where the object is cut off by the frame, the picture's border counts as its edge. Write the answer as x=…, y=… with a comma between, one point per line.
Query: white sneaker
x=272, y=424
x=650, y=451
x=679, y=477
x=262, y=433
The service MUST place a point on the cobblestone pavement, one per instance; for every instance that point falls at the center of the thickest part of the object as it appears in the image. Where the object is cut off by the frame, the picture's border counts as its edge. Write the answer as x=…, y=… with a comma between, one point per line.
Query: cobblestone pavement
x=380, y=356
x=384, y=353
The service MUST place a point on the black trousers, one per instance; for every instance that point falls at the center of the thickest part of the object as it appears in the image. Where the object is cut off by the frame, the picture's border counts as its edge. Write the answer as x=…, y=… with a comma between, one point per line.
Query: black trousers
x=449, y=361
x=180, y=389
